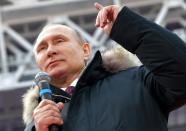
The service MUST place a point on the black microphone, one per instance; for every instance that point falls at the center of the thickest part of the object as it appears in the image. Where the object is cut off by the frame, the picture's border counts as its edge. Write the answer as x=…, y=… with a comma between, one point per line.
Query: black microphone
x=42, y=80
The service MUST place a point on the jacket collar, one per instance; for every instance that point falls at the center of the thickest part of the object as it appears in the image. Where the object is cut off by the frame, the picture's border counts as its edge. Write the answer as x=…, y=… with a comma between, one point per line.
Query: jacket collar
x=93, y=72
x=59, y=95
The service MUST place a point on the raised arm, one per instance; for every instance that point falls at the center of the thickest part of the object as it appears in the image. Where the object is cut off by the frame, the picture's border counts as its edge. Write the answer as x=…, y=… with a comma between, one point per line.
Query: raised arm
x=162, y=52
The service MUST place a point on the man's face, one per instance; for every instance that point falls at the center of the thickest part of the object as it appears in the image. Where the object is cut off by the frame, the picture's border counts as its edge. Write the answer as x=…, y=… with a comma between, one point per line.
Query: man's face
x=58, y=51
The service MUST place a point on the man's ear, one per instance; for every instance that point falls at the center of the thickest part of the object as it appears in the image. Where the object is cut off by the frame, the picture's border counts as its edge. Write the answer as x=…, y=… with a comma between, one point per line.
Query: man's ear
x=86, y=50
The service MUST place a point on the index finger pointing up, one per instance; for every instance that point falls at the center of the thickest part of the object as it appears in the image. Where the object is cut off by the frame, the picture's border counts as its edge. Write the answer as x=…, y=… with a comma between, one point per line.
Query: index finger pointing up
x=98, y=6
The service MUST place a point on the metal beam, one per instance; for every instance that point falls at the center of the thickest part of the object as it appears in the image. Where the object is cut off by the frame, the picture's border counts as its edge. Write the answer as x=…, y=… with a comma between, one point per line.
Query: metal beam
x=17, y=37
x=22, y=68
x=24, y=84
x=161, y=15
x=167, y=5
x=45, y=9
x=3, y=52
x=16, y=52
x=140, y=3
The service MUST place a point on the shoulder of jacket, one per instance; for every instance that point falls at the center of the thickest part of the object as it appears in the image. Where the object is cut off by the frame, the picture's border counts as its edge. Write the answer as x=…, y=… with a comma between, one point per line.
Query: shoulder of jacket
x=118, y=58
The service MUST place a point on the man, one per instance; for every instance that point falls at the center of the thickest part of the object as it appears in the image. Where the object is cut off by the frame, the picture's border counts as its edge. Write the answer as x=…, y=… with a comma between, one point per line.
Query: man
x=126, y=98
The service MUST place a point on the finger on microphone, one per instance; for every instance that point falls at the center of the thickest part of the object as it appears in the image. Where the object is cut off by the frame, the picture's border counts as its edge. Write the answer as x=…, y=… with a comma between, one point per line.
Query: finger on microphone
x=45, y=102
x=53, y=120
x=98, y=6
x=60, y=105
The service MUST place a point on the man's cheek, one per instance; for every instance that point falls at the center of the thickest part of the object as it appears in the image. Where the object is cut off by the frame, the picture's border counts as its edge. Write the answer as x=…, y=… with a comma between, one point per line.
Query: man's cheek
x=40, y=65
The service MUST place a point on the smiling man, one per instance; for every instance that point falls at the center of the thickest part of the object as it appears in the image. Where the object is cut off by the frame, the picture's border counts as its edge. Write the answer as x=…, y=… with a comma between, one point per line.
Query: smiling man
x=113, y=92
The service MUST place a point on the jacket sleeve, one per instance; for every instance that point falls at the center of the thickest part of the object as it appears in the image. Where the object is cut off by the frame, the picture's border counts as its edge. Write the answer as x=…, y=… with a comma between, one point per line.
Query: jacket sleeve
x=162, y=53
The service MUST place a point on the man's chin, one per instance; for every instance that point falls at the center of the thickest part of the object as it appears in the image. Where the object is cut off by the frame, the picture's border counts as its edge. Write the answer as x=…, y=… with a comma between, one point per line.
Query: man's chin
x=56, y=73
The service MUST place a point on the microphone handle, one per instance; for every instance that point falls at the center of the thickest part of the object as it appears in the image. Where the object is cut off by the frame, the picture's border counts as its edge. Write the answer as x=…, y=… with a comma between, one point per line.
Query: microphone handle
x=54, y=128
x=45, y=93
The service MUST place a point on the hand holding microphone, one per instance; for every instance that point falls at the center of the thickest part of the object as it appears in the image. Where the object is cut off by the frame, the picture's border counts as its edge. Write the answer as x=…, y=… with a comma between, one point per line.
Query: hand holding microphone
x=47, y=116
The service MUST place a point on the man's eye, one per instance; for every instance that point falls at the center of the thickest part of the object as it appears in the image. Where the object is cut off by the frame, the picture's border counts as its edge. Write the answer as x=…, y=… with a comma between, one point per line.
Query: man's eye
x=58, y=41
x=41, y=49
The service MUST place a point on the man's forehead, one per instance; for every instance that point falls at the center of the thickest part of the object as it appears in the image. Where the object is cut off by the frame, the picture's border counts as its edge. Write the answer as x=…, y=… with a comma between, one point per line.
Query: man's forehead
x=53, y=30
x=56, y=29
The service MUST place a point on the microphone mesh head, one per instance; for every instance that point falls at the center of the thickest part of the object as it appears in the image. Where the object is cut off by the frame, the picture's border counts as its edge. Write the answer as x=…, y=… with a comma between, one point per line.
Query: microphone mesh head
x=40, y=76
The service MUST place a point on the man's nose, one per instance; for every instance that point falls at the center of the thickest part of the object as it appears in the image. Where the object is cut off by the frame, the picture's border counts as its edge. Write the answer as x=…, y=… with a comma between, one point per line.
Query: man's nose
x=51, y=50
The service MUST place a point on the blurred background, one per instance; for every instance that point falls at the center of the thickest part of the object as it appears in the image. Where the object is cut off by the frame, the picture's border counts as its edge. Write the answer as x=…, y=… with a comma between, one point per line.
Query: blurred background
x=22, y=20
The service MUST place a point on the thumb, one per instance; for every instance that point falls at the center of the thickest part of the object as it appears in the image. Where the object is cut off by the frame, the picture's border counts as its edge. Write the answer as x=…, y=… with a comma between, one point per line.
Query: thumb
x=98, y=6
